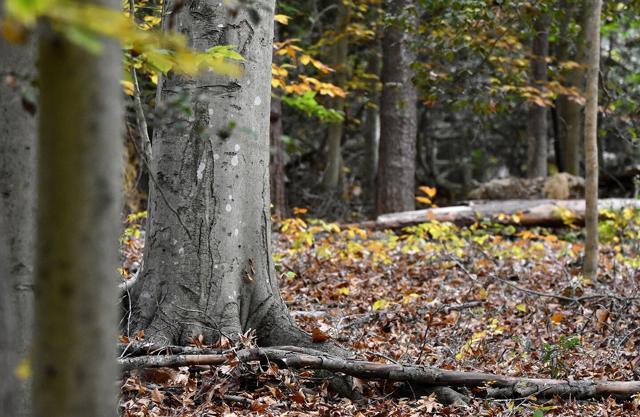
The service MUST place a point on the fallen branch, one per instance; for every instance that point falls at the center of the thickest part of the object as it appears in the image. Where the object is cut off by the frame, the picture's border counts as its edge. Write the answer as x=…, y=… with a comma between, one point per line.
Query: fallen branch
x=491, y=385
x=529, y=213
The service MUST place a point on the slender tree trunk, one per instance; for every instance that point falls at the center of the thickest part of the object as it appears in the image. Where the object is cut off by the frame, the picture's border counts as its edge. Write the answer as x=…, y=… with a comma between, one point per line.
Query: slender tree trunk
x=17, y=218
x=538, y=129
x=208, y=268
x=372, y=130
x=592, y=35
x=333, y=171
x=77, y=222
x=398, y=117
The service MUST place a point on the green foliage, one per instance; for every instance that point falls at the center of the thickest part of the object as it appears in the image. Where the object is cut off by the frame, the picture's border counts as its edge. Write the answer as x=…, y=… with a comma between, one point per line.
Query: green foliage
x=553, y=354
x=307, y=104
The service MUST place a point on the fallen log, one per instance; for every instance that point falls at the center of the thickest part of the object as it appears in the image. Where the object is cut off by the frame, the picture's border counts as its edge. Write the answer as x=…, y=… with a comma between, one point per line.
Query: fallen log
x=550, y=213
x=486, y=384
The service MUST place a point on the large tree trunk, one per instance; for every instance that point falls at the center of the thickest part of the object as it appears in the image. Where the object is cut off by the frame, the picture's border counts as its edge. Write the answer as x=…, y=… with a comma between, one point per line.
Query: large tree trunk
x=77, y=222
x=17, y=218
x=333, y=171
x=592, y=35
x=398, y=116
x=537, y=152
x=208, y=268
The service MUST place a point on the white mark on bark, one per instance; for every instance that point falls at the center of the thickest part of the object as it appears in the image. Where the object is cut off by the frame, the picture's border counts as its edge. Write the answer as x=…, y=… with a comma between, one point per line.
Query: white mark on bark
x=201, y=168
x=228, y=208
x=234, y=160
x=175, y=242
x=216, y=156
x=236, y=148
x=257, y=101
x=230, y=197
x=235, y=232
x=181, y=251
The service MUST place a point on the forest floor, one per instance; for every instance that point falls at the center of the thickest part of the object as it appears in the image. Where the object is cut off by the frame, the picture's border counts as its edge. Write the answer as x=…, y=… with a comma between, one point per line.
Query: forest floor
x=486, y=298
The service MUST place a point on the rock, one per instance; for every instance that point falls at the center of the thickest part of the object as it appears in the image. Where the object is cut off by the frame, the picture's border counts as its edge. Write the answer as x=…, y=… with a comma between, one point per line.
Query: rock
x=561, y=186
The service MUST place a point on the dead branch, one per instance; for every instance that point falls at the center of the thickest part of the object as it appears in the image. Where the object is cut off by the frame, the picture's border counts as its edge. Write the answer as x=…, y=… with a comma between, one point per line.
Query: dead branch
x=490, y=385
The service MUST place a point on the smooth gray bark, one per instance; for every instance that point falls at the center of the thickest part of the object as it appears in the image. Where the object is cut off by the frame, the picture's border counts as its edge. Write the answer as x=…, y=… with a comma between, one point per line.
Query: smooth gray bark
x=78, y=222
x=208, y=268
x=538, y=135
x=592, y=35
x=398, y=116
x=17, y=218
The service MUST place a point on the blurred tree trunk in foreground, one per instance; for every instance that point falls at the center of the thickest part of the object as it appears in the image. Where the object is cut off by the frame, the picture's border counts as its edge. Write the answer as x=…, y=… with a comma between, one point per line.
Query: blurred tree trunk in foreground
x=79, y=193
x=17, y=219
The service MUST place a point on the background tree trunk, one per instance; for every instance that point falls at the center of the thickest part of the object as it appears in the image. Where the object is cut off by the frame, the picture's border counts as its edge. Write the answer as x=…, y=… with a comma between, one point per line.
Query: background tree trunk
x=339, y=56
x=277, y=171
x=17, y=218
x=372, y=130
x=538, y=131
x=569, y=111
x=592, y=36
x=78, y=221
x=398, y=116
x=277, y=165
x=208, y=268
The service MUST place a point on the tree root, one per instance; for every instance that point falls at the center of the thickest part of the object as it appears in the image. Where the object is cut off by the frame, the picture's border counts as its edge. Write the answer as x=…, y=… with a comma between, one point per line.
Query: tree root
x=485, y=384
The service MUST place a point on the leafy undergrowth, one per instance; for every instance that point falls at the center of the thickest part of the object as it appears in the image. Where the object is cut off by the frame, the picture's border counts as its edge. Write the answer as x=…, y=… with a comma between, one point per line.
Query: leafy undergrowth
x=486, y=298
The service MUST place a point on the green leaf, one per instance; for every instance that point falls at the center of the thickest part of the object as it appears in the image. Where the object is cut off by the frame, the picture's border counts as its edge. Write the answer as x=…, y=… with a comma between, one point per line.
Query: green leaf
x=538, y=413
x=160, y=59
x=84, y=39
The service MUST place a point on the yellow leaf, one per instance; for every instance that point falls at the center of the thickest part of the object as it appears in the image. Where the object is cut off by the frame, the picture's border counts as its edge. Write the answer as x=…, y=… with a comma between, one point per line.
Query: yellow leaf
x=281, y=18
x=127, y=86
x=521, y=307
x=423, y=200
x=429, y=191
x=23, y=370
x=305, y=59
x=380, y=305
x=343, y=291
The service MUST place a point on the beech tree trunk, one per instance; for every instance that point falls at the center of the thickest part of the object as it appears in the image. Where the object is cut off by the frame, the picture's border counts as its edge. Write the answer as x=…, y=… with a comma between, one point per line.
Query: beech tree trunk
x=208, y=268
x=78, y=220
x=538, y=130
x=339, y=56
x=17, y=218
x=398, y=114
x=592, y=35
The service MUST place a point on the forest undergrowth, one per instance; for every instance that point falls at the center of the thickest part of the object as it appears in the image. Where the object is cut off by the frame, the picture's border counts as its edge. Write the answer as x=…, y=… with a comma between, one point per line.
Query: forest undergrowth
x=488, y=297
